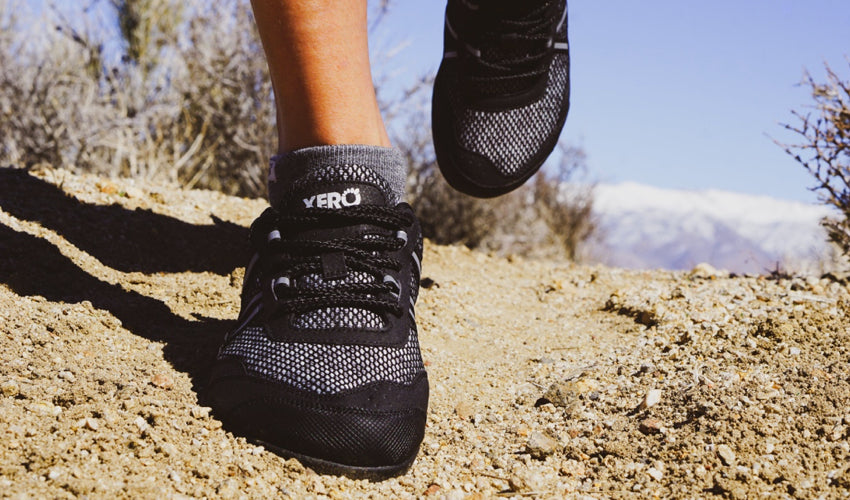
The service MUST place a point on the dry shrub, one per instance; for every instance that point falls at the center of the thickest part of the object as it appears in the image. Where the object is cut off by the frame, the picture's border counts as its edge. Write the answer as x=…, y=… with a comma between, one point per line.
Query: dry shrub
x=825, y=149
x=183, y=101
x=547, y=217
x=187, y=98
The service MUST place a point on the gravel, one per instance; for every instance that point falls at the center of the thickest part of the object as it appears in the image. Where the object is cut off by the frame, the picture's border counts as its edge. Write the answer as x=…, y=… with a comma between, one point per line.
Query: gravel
x=548, y=379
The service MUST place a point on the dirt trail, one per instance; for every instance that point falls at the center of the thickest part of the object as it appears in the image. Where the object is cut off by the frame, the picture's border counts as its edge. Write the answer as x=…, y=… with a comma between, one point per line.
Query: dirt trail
x=548, y=379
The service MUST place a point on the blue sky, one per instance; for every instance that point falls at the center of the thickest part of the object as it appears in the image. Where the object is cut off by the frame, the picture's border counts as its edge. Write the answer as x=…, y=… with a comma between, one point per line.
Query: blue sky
x=678, y=94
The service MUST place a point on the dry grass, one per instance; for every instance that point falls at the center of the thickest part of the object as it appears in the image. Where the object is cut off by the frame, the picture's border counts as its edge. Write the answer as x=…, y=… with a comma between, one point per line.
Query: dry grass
x=188, y=99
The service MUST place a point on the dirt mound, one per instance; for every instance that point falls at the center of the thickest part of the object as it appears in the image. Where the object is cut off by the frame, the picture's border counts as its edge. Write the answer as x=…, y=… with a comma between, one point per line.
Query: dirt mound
x=548, y=379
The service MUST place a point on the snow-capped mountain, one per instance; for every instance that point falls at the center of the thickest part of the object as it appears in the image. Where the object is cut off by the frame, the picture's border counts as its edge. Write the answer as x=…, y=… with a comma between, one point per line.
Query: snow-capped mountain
x=647, y=227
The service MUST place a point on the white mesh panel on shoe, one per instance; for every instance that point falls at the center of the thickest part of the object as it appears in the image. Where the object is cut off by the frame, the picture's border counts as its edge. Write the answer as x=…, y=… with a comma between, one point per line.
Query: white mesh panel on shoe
x=510, y=138
x=323, y=368
x=337, y=317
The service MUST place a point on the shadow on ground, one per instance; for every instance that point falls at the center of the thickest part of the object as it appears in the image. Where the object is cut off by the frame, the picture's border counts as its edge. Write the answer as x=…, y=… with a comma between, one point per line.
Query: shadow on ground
x=127, y=240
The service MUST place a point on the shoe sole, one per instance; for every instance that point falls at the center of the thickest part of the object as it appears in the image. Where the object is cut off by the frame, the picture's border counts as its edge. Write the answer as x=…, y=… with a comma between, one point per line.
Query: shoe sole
x=322, y=466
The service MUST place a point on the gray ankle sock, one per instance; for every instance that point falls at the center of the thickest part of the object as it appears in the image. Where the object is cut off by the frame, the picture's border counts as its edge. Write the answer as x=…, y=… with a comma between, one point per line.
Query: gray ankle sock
x=388, y=163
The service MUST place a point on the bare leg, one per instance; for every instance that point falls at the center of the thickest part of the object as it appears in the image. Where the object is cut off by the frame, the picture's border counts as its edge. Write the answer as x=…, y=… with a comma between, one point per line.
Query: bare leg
x=318, y=56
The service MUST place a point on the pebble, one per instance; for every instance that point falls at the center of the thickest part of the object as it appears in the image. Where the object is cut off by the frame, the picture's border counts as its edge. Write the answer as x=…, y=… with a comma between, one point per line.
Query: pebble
x=200, y=411
x=708, y=330
x=10, y=388
x=650, y=426
x=561, y=394
x=655, y=473
x=727, y=456
x=704, y=270
x=653, y=396
x=432, y=489
x=162, y=380
x=88, y=423
x=540, y=445
x=45, y=408
x=464, y=410
x=168, y=449
x=524, y=480
x=140, y=423
x=67, y=376
x=565, y=393
x=133, y=192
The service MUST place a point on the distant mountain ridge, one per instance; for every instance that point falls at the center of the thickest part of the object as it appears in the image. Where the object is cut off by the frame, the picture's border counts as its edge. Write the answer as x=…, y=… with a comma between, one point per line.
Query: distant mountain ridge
x=648, y=227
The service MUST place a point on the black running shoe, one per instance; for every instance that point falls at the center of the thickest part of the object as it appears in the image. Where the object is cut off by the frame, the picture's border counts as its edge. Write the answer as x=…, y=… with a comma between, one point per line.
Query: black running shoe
x=324, y=363
x=502, y=92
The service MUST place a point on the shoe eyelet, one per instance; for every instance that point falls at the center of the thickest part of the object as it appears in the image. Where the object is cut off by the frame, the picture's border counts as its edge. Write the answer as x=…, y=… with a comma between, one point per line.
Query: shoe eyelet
x=274, y=235
x=281, y=281
x=396, y=292
x=402, y=235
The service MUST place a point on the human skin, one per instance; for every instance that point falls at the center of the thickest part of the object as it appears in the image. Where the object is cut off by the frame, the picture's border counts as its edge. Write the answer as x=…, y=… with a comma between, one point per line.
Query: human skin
x=318, y=57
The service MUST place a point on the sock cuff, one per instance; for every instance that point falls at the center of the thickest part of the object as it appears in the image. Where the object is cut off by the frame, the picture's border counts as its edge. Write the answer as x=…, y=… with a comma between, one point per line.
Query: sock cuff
x=388, y=163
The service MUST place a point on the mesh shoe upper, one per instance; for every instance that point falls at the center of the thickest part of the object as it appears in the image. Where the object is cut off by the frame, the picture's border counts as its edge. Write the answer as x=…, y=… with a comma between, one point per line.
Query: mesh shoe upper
x=512, y=138
x=319, y=367
x=502, y=92
x=327, y=333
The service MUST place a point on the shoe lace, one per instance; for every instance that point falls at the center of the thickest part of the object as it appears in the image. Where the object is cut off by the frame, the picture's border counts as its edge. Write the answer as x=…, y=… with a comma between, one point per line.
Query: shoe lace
x=509, y=45
x=286, y=258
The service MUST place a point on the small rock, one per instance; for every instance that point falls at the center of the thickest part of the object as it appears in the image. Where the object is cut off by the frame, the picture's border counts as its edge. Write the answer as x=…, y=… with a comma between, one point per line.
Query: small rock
x=134, y=192
x=162, y=381
x=655, y=473
x=705, y=270
x=45, y=408
x=107, y=187
x=168, y=449
x=653, y=396
x=727, y=456
x=519, y=482
x=200, y=411
x=526, y=394
x=319, y=487
x=91, y=424
x=427, y=283
x=10, y=388
x=541, y=445
x=464, y=410
x=432, y=448
x=68, y=376
x=432, y=489
x=565, y=393
x=650, y=426
x=561, y=394
x=141, y=424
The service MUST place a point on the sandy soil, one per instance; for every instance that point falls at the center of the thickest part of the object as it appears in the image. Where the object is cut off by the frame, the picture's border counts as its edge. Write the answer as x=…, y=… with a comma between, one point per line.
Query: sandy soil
x=548, y=379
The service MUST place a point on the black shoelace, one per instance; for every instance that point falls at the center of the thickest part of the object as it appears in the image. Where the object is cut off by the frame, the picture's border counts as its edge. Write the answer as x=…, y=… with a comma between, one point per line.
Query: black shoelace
x=286, y=255
x=506, y=46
